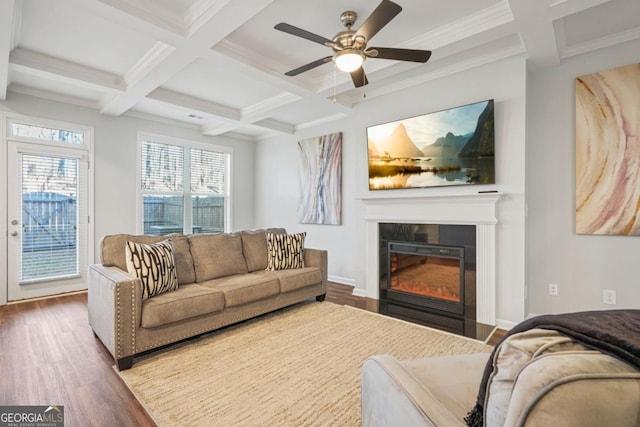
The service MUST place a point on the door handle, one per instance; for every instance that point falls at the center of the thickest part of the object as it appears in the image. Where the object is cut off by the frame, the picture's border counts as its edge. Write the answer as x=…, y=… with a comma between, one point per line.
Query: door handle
x=14, y=233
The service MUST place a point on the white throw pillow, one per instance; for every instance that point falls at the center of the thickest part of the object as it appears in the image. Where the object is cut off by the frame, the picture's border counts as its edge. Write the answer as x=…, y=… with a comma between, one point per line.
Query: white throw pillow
x=154, y=265
x=285, y=251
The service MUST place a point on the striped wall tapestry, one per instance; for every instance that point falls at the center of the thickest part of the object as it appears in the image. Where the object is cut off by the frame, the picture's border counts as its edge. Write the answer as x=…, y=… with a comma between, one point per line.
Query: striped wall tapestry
x=321, y=179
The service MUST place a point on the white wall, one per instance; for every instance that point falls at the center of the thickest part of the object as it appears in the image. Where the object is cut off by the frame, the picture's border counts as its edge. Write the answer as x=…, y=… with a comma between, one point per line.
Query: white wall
x=278, y=188
x=581, y=265
x=115, y=161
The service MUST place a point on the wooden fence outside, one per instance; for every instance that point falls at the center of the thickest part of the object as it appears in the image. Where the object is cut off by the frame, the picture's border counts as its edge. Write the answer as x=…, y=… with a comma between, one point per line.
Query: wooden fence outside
x=164, y=215
x=48, y=221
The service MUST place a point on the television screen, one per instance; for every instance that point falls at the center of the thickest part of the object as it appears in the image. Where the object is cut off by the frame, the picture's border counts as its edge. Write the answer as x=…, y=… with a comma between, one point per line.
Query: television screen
x=449, y=147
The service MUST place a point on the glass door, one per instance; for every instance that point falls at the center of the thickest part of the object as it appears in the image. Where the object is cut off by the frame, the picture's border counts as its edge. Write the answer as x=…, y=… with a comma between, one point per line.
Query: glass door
x=48, y=221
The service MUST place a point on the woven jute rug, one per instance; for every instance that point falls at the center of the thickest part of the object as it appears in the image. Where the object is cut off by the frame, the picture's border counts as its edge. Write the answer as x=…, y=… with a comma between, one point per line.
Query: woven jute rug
x=295, y=367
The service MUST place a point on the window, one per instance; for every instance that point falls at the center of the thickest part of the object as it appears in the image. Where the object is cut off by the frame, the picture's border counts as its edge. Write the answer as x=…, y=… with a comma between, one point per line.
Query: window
x=47, y=133
x=184, y=187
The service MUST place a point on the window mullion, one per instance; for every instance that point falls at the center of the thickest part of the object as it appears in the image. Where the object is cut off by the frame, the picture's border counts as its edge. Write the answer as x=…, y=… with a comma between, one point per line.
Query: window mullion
x=188, y=214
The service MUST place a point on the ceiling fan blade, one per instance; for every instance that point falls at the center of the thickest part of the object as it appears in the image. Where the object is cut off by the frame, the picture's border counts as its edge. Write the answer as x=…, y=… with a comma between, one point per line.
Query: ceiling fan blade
x=412, y=55
x=290, y=29
x=380, y=17
x=359, y=77
x=308, y=66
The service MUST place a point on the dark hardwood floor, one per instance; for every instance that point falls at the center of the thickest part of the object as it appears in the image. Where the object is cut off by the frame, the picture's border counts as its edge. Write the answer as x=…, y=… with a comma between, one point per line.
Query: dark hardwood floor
x=49, y=356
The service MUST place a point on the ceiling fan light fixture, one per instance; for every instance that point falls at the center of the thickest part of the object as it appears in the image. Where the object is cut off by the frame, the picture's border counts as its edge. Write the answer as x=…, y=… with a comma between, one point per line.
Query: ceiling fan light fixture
x=349, y=60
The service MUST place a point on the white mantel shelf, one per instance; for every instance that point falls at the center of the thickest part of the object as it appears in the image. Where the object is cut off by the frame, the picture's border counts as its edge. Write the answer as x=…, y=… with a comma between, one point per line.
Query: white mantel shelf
x=473, y=208
x=477, y=209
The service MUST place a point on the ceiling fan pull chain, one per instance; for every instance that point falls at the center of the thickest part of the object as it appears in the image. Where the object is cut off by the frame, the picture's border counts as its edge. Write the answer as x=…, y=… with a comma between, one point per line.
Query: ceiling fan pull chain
x=364, y=82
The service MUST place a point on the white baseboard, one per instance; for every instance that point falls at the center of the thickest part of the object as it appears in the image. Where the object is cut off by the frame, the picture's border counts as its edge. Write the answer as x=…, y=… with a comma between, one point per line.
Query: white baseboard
x=359, y=292
x=505, y=324
x=349, y=282
x=342, y=280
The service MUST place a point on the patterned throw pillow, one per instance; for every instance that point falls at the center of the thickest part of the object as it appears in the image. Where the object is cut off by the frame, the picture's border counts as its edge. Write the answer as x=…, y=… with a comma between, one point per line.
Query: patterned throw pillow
x=154, y=265
x=285, y=251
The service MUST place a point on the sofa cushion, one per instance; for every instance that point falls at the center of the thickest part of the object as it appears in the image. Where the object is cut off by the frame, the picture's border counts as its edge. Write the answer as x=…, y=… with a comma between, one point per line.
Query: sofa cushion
x=293, y=279
x=186, y=302
x=184, y=261
x=285, y=251
x=254, y=247
x=217, y=255
x=112, y=252
x=244, y=288
x=154, y=265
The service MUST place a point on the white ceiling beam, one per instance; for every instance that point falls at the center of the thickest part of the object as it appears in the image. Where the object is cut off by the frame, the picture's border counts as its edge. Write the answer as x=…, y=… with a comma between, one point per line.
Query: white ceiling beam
x=233, y=15
x=197, y=105
x=7, y=15
x=213, y=128
x=154, y=56
x=36, y=63
x=536, y=31
x=277, y=126
x=265, y=108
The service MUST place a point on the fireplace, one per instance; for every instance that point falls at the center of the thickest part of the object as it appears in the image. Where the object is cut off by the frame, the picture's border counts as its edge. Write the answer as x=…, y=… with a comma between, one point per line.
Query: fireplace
x=478, y=210
x=427, y=274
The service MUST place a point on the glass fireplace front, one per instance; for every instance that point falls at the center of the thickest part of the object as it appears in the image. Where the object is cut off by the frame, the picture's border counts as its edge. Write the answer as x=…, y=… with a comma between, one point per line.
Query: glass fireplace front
x=427, y=275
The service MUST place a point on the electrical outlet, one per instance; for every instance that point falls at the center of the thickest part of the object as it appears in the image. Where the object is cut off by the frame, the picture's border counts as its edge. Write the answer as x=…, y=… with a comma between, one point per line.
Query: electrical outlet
x=553, y=289
x=609, y=297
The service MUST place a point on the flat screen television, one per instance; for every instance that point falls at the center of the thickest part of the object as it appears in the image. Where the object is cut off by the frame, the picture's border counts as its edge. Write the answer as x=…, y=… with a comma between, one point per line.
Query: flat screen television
x=449, y=147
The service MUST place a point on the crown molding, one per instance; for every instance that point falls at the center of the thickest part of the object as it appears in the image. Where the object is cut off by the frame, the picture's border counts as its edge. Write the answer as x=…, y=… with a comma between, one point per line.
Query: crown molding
x=483, y=20
x=54, y=96
x=158, y=119
x=16, y=25
x=199, y=13
x=602, y=42
x=321, y=121
x=152, y=13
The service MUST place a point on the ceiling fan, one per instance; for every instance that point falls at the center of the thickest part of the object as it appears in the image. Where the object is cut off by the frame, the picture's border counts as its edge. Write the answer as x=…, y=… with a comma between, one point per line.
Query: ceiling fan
x=350, y=46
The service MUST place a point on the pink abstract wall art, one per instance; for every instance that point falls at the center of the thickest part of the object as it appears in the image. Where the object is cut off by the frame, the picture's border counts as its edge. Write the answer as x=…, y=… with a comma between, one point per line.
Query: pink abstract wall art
x=608, y=152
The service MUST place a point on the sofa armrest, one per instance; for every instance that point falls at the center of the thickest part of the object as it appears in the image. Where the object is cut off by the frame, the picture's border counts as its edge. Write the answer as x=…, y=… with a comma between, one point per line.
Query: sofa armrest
x=114, y=304
x=391, y=395
x=318, y=258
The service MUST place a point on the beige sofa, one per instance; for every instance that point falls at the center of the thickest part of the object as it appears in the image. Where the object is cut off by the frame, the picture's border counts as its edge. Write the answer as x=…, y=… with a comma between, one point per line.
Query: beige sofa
x=222, y=280
x=540, y=378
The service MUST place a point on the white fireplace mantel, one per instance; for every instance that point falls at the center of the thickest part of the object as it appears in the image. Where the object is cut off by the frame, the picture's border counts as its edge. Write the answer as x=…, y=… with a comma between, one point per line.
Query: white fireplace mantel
x=477, y=209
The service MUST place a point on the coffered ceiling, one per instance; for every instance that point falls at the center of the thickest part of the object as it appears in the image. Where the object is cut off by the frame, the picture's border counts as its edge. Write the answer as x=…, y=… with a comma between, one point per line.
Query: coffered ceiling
x=218, y=65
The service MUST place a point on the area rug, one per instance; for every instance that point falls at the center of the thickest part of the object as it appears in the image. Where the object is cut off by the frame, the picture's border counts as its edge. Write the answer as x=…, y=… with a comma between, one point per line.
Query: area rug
x=299, y=366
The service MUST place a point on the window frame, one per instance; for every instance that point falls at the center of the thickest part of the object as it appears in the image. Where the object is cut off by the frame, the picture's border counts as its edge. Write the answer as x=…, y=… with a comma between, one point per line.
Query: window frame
x=186, y=193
